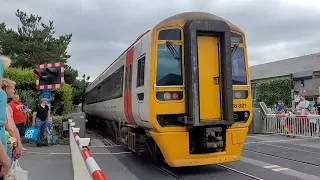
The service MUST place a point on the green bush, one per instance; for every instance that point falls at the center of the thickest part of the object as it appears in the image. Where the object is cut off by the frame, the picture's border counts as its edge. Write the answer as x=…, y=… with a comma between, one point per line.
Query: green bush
x=24, y=78
x=273, y=90
x=61, y=99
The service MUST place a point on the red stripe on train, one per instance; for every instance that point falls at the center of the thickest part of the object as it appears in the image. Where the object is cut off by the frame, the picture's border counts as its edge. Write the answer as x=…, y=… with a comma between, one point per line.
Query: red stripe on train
x=130, y=57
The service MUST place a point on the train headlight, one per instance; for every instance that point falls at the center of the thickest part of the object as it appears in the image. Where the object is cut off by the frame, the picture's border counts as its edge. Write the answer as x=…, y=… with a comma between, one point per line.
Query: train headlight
x=167, y=96
x=240, y=94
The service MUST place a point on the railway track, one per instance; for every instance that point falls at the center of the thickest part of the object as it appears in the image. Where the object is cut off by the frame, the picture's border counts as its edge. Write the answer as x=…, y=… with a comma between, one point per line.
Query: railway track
x=280, y=157
x=178, y=177
x=167, y=170
x=240, y=172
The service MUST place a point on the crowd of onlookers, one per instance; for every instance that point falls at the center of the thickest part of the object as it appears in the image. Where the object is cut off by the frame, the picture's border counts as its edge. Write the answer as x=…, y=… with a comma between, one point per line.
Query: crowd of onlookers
x=13, y=121
x=304, y=124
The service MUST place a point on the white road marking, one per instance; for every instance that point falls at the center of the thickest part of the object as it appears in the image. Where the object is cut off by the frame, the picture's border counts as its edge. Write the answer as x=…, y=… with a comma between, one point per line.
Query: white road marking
x=283, y=140
x=58, y=153
x=280, y=169
x=272, y=166
x=283, y=170
x=63, y=153
x=112, y=153
x=104, y=146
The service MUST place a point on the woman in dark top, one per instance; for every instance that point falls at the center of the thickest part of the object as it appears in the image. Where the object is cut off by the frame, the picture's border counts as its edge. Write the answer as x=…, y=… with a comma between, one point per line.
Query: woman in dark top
x=39, y=120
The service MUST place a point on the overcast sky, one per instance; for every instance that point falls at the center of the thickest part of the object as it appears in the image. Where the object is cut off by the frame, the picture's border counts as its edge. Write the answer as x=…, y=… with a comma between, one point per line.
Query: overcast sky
x=103, y=29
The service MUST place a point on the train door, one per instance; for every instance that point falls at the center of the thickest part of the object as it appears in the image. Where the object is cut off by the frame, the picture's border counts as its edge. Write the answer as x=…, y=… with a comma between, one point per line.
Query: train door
x=209, y=71
x=140, y=94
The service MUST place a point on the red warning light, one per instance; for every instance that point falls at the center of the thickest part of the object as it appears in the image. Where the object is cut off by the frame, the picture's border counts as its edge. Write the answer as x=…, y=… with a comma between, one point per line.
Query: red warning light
x=175, y=95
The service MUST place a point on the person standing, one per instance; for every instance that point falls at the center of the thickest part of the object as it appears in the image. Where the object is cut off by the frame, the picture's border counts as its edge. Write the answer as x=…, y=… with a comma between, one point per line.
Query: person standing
x=19, y=116
x=9, y=87
x=4, y=158
x=40, y=119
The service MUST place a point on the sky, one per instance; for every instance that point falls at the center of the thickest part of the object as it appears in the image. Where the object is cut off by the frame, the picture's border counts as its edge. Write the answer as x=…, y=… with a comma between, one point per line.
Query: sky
x=103, y=29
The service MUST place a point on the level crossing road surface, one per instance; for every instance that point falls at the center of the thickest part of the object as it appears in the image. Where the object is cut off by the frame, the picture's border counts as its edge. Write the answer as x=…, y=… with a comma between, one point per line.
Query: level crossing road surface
x=264, y=157
x=47, y=163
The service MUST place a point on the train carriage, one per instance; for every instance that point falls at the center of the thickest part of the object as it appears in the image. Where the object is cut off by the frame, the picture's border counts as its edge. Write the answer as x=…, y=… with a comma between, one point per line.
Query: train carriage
x=180, y=92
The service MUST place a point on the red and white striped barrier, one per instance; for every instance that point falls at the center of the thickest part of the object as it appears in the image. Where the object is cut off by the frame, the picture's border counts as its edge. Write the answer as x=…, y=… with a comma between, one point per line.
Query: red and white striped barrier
x=84, y=165
x=91, y=164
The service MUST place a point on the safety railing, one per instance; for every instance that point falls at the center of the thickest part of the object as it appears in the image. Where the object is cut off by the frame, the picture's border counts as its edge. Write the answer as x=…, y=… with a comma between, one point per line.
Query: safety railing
x=84, y=165
x=291, y=124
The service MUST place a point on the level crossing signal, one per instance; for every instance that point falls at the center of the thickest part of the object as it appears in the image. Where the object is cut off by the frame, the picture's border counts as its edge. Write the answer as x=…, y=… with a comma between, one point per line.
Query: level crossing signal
x=49, y=76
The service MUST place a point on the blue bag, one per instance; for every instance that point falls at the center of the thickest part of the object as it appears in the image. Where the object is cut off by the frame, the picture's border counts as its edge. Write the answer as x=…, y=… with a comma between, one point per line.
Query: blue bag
x=31, y=134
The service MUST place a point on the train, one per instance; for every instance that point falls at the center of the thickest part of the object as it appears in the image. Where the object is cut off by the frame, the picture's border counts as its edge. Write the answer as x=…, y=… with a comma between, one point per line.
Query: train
x=180, y=94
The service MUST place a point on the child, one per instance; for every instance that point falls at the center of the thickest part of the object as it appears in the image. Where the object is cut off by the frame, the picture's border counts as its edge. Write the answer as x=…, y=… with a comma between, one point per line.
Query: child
x=49, y=131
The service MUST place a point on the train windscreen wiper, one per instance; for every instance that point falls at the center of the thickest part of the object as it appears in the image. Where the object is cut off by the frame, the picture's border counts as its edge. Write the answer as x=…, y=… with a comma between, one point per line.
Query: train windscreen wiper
x=173, y=50
x=234, y=49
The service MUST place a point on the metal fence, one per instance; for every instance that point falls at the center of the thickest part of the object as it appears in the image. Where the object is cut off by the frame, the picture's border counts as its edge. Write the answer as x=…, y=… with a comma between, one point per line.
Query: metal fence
x=292, y=125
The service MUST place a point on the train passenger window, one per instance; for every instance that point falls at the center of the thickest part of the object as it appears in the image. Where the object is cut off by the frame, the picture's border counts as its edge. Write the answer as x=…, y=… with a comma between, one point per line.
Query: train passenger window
x=170, y=34
x=169, y=69
x=236, y=38
x=110, y=88
x=140, y=72
x=239, y=75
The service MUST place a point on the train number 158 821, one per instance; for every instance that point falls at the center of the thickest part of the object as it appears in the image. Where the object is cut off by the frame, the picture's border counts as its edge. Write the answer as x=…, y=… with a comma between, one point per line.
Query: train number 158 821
x=240, y=105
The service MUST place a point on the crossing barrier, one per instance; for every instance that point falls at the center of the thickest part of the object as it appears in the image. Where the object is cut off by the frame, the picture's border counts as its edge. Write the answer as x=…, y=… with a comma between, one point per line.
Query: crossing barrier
x=292, y=124
x=84, y=165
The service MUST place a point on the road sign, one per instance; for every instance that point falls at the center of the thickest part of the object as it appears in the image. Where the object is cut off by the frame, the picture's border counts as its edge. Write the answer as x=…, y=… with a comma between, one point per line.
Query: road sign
x=46, y=93
x=49, y=76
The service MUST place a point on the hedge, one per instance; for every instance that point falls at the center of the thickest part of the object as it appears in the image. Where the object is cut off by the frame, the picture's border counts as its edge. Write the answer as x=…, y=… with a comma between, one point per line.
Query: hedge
x=66, y=99
x=26, y=88
x=25, y=78
x=272, y=91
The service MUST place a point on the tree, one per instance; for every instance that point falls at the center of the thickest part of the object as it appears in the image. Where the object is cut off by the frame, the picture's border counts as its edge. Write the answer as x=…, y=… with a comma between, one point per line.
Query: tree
x=79, y=89
x=34, y=42
x=273, y=90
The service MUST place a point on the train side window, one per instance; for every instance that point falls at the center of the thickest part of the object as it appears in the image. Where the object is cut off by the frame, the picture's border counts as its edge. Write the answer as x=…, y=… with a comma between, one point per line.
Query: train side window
x=140, y=72
x=170, y=34
x=110, y=88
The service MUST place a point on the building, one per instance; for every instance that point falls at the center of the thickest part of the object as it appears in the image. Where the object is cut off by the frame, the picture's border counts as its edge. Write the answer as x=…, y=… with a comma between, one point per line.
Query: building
x=305, y=71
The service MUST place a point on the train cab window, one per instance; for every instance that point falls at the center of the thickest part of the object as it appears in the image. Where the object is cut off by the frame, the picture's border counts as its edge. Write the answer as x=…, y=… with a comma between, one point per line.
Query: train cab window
x=170, y=34
x=169, y=69
x=239, y=75
x=236, y=38
x=140, y=72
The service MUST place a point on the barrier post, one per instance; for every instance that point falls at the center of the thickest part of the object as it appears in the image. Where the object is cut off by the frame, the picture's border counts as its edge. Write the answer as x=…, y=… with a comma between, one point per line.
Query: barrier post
x=80, y=170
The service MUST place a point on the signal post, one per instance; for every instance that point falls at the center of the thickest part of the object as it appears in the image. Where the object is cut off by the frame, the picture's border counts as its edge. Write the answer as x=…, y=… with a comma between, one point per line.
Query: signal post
x=49, y=76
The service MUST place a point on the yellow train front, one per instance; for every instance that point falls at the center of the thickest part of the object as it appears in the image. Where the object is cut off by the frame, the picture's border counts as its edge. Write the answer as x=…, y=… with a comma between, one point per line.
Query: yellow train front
x=201, y=110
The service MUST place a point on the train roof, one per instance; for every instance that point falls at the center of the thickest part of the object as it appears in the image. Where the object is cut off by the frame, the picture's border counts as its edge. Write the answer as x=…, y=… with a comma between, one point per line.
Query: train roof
x=178, y=17
x=198, y=15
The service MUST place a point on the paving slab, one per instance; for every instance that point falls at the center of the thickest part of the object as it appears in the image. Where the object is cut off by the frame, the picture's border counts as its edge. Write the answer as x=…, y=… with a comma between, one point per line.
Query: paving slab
x=110, y=165
x=47, y=163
